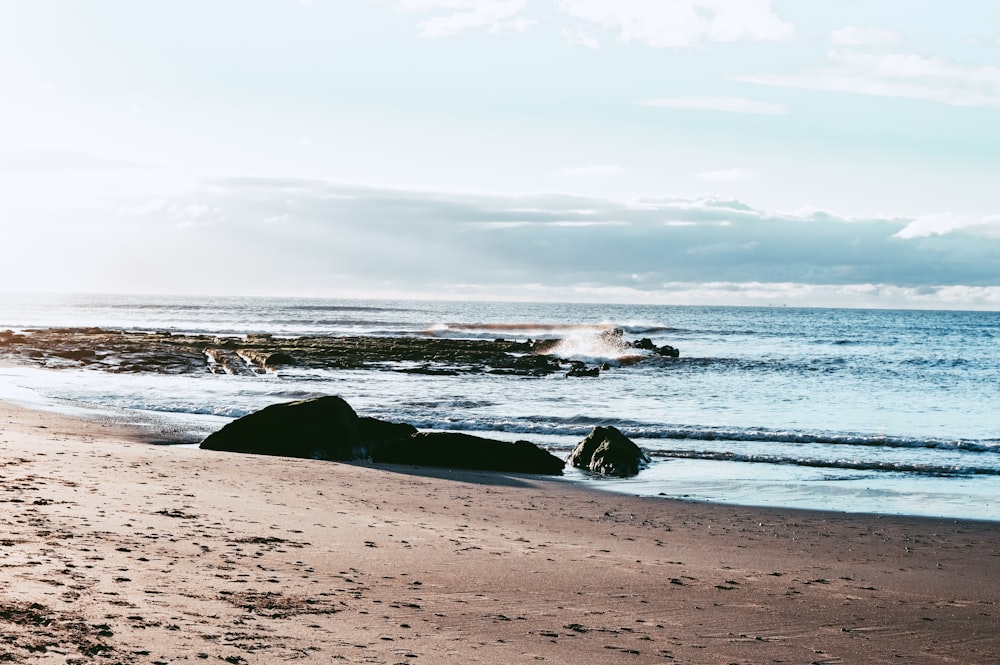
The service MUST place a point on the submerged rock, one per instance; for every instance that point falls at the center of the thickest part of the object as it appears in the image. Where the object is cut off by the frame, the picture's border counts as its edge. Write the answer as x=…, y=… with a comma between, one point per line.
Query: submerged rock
x=609, y=452
x=645, y=343
x=583, y=370
x=668, y=351
x=455, y=450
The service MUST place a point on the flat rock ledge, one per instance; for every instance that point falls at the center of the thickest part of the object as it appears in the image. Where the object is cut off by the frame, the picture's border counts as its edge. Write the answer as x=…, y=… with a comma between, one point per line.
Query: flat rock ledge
x=130, y=351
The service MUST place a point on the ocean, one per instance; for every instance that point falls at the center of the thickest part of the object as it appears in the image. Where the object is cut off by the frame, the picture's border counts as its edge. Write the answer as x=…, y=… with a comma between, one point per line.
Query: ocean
x=874, y=411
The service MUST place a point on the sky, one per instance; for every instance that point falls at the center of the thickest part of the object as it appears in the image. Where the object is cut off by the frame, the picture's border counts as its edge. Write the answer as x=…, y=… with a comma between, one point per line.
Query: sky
x=813, y=153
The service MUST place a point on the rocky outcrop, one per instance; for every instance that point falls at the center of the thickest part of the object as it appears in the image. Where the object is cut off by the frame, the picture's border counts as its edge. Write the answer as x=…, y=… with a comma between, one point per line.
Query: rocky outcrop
x=126, y=351
x=609, y=452
x=267, y=359
x=580, y=369
x=327, y=428
x=319, y=428
x=666, y=350
x=455, y=450
x=376, y=434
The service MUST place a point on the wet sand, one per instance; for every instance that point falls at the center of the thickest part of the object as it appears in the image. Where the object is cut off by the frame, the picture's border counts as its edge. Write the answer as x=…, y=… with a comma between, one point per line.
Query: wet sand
x=116, y=551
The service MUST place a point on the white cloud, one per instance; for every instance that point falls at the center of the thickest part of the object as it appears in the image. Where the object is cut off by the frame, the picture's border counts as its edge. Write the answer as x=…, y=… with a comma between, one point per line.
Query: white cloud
x=462, y=15
x=592, y=170
x=609, y=222
x=859, y=36
x=939, y=224
x=735, y=174
x=192, y=214
x=144, y=208
x=984, y=42
x=580, y=38
x=933, y=79
x=728, y=104
x=704, y=203
x=183, y=214
x=683, y=23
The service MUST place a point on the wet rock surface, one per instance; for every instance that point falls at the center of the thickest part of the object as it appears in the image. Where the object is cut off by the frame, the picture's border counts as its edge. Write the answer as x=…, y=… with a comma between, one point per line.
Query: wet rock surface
x=456, y=450
x=328, y=428
x=324, y=428
x=321, y=428
x=609, y=452
x=178, y=353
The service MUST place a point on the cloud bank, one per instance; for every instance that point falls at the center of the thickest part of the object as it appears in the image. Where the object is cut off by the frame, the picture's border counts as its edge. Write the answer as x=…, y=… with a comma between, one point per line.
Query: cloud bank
x=463, y=15
x=302, y=236
x=678, y=24
x=683, y=23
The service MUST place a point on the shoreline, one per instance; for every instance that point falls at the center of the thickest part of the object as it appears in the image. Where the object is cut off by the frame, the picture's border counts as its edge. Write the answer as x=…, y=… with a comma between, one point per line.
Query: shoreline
x=117, y=549
x=974, y=497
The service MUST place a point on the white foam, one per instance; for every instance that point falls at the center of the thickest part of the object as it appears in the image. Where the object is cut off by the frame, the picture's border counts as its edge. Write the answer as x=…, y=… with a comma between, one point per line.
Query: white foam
x=595, y=345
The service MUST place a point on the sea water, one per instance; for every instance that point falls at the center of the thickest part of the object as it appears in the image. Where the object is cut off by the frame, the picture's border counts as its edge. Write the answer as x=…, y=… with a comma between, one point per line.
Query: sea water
x=853, y=410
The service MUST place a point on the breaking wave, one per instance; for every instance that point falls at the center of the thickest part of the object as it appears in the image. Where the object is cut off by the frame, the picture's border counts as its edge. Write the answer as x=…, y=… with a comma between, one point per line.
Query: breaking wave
x=586, y=342
x=582, y=425
x=539, y=329
x=940, y=470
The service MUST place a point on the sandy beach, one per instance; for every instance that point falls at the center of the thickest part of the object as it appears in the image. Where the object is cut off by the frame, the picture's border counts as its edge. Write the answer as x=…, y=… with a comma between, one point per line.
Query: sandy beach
x=116, y=551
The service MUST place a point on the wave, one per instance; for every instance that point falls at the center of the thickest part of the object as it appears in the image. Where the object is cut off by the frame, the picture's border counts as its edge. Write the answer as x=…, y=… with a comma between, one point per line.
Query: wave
x=940, y=470
x=346, y=308
x=822, y=438
x=582, y=425
x=520, y=329
x=593, y=343
x=539, y=328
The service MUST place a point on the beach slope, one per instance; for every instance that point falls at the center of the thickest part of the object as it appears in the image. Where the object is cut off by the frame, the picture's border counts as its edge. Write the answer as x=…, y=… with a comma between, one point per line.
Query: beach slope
x=116, y=551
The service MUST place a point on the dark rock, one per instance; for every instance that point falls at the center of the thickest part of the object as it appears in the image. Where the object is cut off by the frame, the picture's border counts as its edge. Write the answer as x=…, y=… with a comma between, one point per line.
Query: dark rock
x=584, y=371
x=645, y=344
x=319, y=428
x=75, y=354
x=278, y=359
x=455, y=450
x=666, y=350
x=11, y=337
x=609, y=452
x=429, y=371
x=377, y=434
x=125, y=351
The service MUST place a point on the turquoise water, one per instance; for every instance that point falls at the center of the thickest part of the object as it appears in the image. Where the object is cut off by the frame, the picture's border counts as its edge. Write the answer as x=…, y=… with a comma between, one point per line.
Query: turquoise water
x=855, y=410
